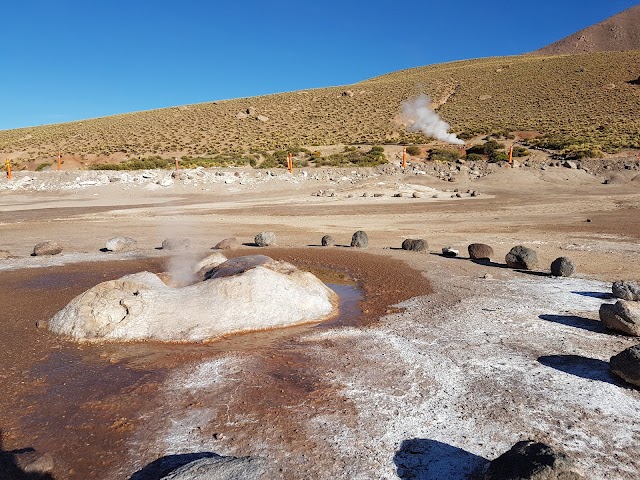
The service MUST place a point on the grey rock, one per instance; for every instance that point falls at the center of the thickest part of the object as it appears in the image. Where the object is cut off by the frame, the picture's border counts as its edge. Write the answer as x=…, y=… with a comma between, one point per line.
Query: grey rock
x=570, y=164
x=563, y=267
x=450, y=252
x=523, y=258
x=47, y=248
x=480, y=251
x=415, y=245
x=360, y=239
x=622, y=316
x=175, y=243
x=264, y=239
x=221, y=468
x=328, y=241
x=262, y=118
x=529, y=460
x=398, y=195
x=120, y=244
x=228, y=244
x=626, y=290
x=626, y=365
x=416, y=195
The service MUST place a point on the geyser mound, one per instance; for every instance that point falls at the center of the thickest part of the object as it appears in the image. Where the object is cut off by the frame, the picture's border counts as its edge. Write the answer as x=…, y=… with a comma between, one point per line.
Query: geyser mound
x=247, y=294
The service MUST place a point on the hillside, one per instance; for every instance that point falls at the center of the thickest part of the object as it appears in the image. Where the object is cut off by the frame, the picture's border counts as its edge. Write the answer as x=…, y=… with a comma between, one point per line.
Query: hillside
x=592, y=98
x=618, y=33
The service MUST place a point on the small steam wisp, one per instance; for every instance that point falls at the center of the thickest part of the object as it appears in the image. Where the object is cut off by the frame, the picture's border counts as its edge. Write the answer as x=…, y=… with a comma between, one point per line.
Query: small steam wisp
x=418, y=116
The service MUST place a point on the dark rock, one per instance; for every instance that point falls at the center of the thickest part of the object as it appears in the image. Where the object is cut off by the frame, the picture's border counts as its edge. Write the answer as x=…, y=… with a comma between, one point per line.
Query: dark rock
x=360, y=239
x=328, y=241
x=480, y=251
x=120, y=244
x=522, y=258
x=415, y=245
x=626, y=365
x=563, y=267
x=47, y=248
x=378, y=195
x=626, y=290
x=265, y=239
x=228, y=244
x=450, y=252
x=623, y=316
x=175, y=243
x=529, y=460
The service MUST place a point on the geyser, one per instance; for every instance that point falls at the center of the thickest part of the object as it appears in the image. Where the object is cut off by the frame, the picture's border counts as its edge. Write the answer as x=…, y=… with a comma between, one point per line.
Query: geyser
x=418, y=116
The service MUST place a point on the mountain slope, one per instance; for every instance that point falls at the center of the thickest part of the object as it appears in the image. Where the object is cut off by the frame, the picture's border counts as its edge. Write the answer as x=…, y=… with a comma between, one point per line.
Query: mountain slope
x=618, y=33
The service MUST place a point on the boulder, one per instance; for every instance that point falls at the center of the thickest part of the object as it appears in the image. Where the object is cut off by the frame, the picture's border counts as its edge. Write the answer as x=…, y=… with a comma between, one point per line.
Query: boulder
x=415, y=245
x=175, y=243
x=228, y=244
x=47, y=248
x=120, y=244
x=242, y=294
x=264, y=239
x=262, y=118
x=360, y=239
x=221, y=468
x=208, y=263
x=529, y=460
x=328, y=241
x=626, y=290
x=522, y=258
x=623, y=316
x=480, y=251
x=563, y=267
x=626, y=365
x=450, y=252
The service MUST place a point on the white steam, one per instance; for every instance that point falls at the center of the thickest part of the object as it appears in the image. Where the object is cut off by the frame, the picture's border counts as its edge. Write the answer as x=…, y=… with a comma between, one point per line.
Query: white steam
x=418, y=116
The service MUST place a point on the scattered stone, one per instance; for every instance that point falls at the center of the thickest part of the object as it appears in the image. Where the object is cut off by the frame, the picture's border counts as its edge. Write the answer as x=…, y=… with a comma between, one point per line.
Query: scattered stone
x=570, y=164
x=458, y=195
x=47, y=248
x=450, y=252
x=522, y=258
x=626, y=365
x=415, y=245
x=265, y=239
x=416, y=195
x=262, y=118
x=120, y=244
x=378, y=195
x=328, y=241
x=4, y=254
x=360, y=239
x=487, y=276
x=175, y=243
x=365, y=194
x=529, y=460
x=474, y=193
x=251, y=111
x=397, y=195
x=239, y=295
x=563, y=267
x=208, y=263
x=622, y=316
x=347, y=93
x=228, y=244
x=626, y=290
x=241, y=115
x=480, y=251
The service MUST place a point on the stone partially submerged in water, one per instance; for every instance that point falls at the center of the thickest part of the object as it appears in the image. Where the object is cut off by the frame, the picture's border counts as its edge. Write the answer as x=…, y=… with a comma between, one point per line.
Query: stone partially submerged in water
x=240, y=295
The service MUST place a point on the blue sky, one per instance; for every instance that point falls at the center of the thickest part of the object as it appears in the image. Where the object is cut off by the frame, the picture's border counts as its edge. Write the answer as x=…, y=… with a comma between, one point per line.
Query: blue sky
x=68, y=60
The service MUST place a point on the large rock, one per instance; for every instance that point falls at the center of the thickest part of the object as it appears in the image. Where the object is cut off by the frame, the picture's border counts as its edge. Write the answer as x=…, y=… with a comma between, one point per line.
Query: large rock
x=205, y=466
x=415, y=245
x=264, y=239
x=563, y=267
x=522, y=258
x=258, y=295
x=622, y=316
x=626, y=290
x=208, y=263
x=480, y=251
x=626, y=365
x=228, y=244
x=529, y=460
x=120, y=244
x=360, y=239
x=328, y=241
x=175, y=243
x=47, y=248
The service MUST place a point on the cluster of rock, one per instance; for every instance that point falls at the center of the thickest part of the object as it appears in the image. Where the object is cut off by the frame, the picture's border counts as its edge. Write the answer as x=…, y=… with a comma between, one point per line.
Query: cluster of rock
x=251, y=112
x=522, y=258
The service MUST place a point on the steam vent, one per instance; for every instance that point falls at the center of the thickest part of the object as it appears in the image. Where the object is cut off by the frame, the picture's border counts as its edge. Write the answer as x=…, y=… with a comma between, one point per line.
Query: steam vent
x=239, y=295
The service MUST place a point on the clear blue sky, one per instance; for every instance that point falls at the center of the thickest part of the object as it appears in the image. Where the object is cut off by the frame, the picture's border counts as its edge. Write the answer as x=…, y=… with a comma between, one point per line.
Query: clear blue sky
x=64, y=60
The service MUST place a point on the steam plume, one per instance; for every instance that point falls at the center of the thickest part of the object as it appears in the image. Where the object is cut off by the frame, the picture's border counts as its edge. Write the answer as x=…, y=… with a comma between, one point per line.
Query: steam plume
x=418, y=116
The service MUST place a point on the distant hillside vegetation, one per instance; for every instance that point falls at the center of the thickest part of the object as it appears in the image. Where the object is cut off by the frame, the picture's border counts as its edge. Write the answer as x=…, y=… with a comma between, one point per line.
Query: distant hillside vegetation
x=618, y=33
x=594, y=98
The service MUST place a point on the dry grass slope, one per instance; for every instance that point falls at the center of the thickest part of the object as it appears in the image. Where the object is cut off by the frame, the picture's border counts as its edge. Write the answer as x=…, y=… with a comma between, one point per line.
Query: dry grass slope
x=591, y=97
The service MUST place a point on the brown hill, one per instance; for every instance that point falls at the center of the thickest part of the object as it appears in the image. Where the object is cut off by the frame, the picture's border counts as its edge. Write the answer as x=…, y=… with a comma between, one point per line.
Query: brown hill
x=618, y=33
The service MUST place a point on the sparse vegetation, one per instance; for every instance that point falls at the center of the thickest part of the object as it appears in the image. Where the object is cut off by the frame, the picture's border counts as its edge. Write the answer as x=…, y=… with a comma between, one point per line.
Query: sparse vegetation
x=42, y=166
x=413, y=150
x=441, y=155
x=354, y=158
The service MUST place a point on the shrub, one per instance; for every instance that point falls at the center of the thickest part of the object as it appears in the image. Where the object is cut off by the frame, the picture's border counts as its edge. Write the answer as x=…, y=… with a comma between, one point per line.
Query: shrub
x=498, y=156
x=441, y=155
x=519, y=151
x=413, y=150
x=474, y=157
x=577, y=152
x=373, y=157
x=42, y=166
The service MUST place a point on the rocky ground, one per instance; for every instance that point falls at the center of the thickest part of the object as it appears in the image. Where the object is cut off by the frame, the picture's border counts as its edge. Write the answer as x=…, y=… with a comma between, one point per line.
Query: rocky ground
x=474, y=358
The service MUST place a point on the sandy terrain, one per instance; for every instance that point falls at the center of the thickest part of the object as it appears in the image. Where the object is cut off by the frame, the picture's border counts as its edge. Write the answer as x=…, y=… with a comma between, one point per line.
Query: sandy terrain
x=463, y=369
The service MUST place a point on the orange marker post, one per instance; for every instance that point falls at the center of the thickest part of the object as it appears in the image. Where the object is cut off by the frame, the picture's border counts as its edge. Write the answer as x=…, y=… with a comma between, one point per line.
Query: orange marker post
x=404, y=157
x=9, y=175
x=59, y=160
x=290, y=162
x=511, y=155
